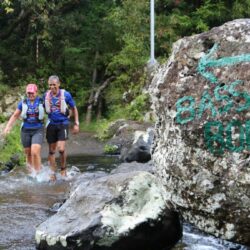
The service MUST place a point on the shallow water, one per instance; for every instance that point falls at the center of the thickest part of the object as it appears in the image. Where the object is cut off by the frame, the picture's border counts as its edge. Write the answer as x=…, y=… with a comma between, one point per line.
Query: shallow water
x=26, y=202
x=23, y=205
x=194, y=239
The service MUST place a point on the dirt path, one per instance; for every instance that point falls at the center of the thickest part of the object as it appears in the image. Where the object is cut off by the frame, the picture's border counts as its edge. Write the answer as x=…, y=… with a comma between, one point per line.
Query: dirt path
x=82, y=143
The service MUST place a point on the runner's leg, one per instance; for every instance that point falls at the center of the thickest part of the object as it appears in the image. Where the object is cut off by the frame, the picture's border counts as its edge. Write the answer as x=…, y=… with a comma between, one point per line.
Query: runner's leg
x=61, y=145
x=27, y=152
x=52, y=160
x=37, y=140
x=36, y=156
x=63, y=156
x=51, y=135
x=26, y=142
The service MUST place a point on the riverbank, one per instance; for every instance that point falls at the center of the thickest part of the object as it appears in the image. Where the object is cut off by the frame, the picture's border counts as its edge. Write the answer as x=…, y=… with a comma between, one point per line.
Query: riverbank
x=84, y=143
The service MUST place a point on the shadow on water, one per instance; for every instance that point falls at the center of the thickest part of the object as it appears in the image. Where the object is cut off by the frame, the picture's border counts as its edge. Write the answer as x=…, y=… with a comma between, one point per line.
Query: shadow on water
x=25, y=203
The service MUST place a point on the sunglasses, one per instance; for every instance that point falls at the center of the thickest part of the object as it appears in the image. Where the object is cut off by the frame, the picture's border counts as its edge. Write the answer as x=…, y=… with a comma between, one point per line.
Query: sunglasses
x=30, y=93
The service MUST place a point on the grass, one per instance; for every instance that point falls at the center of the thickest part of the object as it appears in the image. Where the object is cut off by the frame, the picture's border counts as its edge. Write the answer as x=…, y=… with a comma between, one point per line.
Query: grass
x=12, y=145
x=96, y=126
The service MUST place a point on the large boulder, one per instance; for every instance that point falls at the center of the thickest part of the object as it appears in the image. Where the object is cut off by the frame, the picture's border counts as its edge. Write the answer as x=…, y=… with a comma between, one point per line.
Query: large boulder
x=122, y=135
x=202, y=144
x=140, y=150
x=115, y=212
x=134, y=166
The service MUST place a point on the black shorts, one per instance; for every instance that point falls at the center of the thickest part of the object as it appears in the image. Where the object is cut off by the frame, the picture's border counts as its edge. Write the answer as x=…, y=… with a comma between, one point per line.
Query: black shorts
x=57, y=132
x=31, y=136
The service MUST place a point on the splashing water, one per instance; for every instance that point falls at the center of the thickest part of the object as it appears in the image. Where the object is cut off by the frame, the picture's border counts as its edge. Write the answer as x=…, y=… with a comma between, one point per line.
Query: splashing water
x=26, y=201
x=45, y=173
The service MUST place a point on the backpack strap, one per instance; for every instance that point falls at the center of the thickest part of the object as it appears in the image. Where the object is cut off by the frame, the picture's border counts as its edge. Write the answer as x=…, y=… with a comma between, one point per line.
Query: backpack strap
x=40, y=109
x=63, y=104
x=47, y=102
x=24, y=109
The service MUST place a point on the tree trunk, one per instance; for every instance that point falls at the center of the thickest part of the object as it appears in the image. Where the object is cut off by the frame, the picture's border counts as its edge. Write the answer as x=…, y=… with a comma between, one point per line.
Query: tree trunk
x=37, y=50
x=99, y=109
x=89, y=114
x=88, y=118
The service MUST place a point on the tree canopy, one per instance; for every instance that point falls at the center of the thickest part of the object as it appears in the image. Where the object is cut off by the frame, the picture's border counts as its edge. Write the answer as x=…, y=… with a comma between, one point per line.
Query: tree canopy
x=92, y=44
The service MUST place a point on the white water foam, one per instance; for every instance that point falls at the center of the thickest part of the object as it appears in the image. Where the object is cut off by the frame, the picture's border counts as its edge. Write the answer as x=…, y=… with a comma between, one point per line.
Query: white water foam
x=197, y=240
x=45, y=173
x=19, y=178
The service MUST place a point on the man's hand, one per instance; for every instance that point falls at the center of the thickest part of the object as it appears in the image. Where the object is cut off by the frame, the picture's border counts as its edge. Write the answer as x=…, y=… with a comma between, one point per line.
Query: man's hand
x=75, y=129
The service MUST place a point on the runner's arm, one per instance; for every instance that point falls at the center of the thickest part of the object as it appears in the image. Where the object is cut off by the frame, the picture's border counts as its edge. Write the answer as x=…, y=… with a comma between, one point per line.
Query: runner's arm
x=11, y=121
x=76, y=119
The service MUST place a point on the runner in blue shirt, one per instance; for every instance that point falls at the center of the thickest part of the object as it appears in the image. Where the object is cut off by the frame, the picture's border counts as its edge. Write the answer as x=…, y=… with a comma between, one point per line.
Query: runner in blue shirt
x=32, y=112
x=58, y=105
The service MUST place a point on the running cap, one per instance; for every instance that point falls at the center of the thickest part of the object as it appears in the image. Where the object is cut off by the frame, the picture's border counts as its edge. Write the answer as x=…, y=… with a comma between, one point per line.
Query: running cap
x=31, y=88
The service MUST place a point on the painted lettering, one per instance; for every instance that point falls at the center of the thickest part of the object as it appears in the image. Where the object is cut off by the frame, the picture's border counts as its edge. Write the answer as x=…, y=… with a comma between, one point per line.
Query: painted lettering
x=213, y=135
x=236, y=136
x=206, y=103
x=185, y=109
x=225, y=99
x=241, y=95
x=247, y=126
x=207, y=61
x=235, y=140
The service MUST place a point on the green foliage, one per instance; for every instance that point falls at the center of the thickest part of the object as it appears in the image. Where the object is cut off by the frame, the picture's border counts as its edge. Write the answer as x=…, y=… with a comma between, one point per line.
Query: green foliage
x=209, y=14
x=139, y=107
x=133, y=111
x=2, y=118
x=92, y=127
x=130, y=57
x=117, y=111
x=12, y=145
x=82, y=96
x=110, y=149
x=79, y=39
x=3, y=89
x=7, y=5
x=100, y=127
x=241, y=9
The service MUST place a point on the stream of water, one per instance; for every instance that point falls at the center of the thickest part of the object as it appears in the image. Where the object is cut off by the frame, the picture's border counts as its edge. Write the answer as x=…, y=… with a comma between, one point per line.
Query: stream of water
x=26, y=202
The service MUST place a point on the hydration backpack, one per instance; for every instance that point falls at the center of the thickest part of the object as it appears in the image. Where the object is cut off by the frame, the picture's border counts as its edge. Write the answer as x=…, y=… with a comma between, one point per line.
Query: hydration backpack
x=40, y=109
x=62, y=102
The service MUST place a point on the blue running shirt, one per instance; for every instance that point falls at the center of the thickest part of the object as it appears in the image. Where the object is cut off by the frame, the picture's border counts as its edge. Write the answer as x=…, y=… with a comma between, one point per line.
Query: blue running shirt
x=55, y=116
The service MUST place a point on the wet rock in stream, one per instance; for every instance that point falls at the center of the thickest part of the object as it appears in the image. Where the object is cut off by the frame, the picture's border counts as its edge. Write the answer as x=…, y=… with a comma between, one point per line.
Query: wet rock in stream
x=117, y=211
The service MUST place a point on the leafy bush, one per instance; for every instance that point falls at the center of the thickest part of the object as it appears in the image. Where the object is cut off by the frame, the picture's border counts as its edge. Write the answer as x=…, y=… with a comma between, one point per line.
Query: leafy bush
x=110, y=149
x=2, y=118
x=139, y=107
x=12, y=145
x=3, y=89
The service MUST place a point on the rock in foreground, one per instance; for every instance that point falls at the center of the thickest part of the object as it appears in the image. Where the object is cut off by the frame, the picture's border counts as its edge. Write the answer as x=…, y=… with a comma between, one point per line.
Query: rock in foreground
x=117, y=212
